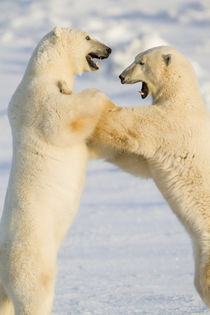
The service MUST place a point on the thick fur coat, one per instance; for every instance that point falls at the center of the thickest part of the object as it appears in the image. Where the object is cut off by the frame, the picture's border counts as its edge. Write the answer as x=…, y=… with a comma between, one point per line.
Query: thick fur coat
x=49, y=131
x=172, y=140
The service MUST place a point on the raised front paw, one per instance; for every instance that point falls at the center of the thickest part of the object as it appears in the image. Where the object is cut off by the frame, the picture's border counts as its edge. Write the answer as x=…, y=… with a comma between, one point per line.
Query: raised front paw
x=93, y=94
x=63, y=87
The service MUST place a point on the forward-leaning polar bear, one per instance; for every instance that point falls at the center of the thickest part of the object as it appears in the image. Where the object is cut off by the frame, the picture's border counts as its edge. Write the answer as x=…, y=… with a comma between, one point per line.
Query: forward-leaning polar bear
x=172, y=140
x=48, y=167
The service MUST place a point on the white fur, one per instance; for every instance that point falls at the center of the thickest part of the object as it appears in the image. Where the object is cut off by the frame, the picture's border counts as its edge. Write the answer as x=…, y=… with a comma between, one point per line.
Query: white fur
x=48, y=167
x=172, y=139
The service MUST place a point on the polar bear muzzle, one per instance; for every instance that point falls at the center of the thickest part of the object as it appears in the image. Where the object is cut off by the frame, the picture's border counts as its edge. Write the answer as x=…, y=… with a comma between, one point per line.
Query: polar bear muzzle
x=144, y=88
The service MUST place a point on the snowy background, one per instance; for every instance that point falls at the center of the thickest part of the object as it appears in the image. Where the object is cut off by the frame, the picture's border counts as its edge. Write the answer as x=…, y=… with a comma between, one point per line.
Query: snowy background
x=126, y=253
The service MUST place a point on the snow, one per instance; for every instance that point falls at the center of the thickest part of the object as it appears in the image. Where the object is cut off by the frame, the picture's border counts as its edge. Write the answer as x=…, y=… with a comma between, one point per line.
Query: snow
x=126, y=253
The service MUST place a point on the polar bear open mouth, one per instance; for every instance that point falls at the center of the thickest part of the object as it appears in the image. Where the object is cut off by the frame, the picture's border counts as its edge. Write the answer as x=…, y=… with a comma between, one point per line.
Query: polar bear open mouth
x=90, y=61
x=144, y=90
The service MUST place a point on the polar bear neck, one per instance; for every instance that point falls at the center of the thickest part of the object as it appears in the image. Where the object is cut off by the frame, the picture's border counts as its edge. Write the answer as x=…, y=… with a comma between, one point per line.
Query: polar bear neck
x=181, y=92
x=51, y=63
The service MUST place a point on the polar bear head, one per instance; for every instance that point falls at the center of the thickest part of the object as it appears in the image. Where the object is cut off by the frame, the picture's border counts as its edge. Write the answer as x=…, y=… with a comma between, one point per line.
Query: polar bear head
x=164, y=73
x=73, y=48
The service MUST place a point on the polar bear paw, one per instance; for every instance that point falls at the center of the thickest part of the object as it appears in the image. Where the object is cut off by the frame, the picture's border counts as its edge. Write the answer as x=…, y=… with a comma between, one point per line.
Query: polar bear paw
x=63, y=87
x=96, y=101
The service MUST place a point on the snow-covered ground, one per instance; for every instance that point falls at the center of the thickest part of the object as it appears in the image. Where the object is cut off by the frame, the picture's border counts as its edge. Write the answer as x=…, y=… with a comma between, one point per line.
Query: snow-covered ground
x=126, y=253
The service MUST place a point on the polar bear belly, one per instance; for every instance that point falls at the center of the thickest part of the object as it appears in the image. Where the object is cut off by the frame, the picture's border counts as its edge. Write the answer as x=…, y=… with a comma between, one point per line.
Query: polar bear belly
x=44, y=190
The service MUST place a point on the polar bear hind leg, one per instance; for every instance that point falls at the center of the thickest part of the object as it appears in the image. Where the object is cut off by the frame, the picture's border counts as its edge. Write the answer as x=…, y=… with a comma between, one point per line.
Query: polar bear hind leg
x=206, y=283
x=34, y=303
x=6, y=307
x=202, y=272
x=35, y=299
x=31, y=290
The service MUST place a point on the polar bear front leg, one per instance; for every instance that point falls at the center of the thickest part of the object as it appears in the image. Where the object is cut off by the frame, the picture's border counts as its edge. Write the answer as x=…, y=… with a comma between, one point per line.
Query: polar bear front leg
x=87, y=108
x=127, y=130
x=72, y=118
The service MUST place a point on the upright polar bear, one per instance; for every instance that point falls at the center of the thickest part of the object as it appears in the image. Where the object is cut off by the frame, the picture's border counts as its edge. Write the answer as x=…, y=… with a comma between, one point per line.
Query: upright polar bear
x=172, y=139
x=48, y=167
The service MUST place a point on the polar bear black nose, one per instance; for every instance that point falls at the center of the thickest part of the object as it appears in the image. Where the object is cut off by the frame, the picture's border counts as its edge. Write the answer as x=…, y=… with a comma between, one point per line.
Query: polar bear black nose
x=108, y=50
x=121, y=78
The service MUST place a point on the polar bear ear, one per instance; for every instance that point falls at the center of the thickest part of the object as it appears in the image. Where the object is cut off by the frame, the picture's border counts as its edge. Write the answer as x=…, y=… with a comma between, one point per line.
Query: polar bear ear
x=57, y=31
x=167, y=59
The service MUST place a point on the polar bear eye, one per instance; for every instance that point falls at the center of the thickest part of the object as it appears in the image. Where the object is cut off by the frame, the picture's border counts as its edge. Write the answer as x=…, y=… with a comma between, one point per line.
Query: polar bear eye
x=87, y=37
x=141, y=63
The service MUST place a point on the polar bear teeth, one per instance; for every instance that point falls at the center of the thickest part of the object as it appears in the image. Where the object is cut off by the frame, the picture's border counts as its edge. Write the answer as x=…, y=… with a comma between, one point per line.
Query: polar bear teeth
x=144, y=90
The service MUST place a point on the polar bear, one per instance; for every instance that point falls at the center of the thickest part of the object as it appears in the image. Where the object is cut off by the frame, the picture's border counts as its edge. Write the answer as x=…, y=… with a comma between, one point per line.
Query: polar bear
x=172, y=139
x=49, y=131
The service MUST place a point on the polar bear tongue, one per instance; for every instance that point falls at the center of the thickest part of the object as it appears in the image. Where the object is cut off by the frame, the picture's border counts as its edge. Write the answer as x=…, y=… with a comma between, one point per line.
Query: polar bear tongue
x=144, y=90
